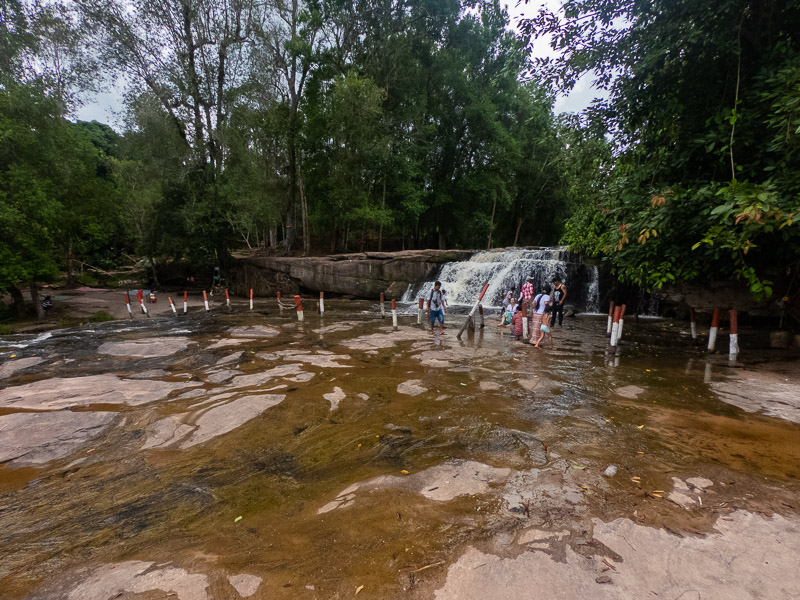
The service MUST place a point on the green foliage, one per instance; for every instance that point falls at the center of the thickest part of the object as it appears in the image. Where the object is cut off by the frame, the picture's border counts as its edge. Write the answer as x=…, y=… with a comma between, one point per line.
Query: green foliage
x=101, y=316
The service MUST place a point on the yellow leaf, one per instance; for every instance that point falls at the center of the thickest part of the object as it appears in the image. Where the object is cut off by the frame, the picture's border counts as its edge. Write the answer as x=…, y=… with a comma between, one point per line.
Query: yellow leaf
x=658, y=491
x=13, y=356
x=237, y=519
x=404, y=472
x=577, y=467
x=640, y=426
x=657, y=495
x=358, y=589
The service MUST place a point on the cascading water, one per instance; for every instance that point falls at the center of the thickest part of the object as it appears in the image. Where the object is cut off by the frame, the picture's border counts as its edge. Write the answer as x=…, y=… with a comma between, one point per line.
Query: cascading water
x=507, y=268
x=593, y=291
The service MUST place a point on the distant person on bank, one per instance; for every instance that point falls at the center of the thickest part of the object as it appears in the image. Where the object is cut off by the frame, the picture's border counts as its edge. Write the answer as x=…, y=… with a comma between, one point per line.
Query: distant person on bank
x=436, y=307
x=559, y=295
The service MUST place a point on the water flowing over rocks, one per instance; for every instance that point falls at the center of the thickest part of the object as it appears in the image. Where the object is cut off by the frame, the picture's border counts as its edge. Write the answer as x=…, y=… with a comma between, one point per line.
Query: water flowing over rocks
x=137, y=577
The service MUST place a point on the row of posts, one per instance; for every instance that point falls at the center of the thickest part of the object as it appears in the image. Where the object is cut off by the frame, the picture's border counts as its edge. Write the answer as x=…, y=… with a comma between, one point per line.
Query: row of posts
x=616, y=320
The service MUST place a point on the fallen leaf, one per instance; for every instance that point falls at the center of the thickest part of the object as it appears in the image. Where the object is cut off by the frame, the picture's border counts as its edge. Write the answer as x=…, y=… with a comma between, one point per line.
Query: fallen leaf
x=648, y=370
x=237, y=519
x=639, y=426
x=658, y=491
x=608, y=420
x=577, y=467
x=404, y=472
x=609, y=564
x=657, y=495
x=358, y=589
x=13, y=356
x=464, y=384
x=359, y=445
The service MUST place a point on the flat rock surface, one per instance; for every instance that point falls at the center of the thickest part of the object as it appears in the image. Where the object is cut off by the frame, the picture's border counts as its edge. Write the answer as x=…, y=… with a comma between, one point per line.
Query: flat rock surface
x=770, y=394
x=138, y=577
x=14, y=365
x=146, y=347
x=749, y=558
x=412, y=387
x=37, y=438
x=58, y=392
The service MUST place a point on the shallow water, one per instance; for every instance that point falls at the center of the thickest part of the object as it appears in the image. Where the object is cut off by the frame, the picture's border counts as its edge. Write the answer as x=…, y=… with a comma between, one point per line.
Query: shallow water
x=243, y=419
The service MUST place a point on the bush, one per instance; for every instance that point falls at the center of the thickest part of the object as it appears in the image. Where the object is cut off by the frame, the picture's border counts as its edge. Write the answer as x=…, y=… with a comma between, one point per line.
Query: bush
x=101, y=316
x=6, y=329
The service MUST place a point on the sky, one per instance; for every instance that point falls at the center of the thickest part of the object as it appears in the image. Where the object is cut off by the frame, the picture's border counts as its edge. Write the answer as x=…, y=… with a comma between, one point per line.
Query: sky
x=106, y=107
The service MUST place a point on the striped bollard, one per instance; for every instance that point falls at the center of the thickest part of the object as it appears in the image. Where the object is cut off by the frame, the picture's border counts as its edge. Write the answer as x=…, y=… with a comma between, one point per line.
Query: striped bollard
x=692, y=324
x=394, y=315
x=205, y=300
x=172, y=305
x=128, y=304
x=298, y=304
x=383, y=309
x=251, y=298
x=610, y=318
x=322, y=304
x=227, y=299
x=733, y=350
x=280, y=306
x=621, y=321
x=420, y=311
x=185, y=301
x=712, y=333
x=480, y=312
x=524, y=320
x=471, y=314
x=140, y=297
x=615, y=326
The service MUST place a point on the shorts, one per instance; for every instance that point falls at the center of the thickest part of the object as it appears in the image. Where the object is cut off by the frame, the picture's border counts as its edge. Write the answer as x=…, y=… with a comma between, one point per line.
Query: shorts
x=545, y=328
x=437, y=314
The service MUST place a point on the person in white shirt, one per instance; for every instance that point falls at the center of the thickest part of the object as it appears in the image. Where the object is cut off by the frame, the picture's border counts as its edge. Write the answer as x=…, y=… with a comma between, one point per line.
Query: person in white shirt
x=540, y=303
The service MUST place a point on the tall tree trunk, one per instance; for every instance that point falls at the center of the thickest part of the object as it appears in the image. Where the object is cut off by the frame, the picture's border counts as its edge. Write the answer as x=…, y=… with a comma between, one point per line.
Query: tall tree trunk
x=304, y=213
x=491, y=225
x=273, y=236
x=519, y=228
x=19, y=301
x=37, y=303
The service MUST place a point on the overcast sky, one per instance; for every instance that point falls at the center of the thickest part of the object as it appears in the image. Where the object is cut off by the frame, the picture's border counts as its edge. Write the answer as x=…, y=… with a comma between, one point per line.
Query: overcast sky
x=106, y=107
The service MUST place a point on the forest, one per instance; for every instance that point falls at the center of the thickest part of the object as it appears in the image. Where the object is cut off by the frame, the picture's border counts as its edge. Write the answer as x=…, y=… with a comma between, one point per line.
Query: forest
x=319, y=126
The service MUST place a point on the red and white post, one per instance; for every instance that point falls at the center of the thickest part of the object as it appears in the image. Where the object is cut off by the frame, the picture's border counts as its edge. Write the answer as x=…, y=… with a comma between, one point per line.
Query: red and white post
x=128, y=304
x=172, y=305
x=692, y=323
x=185, y=302
x=383, y=309
x=615, y=326
x=733, y=349
x=712, y=333
x=227, y=299
x=298, y=304
x=205, y=300
x=280, y=306
x=610, y=318
x=322, y=304
x=420, y=311
x=251, y=298
x=525, y=320
x=394, y=315
x=472, y=312
x=621, y=320
x=140, y=297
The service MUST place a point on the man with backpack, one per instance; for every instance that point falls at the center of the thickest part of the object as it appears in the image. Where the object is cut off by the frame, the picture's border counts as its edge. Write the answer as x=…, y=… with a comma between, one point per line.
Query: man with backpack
x=436, y=307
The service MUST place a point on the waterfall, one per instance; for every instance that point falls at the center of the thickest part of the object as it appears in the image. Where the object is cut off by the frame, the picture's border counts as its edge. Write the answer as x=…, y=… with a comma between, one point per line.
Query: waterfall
x=505, y=268
x=593, y=290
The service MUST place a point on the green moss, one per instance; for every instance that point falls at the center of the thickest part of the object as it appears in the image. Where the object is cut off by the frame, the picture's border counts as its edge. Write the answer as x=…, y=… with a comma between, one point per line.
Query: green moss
x=101, y=316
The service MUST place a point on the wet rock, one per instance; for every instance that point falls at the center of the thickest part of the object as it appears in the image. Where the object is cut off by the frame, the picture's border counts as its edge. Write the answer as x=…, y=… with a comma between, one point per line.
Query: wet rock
x=37, y=438
x=488, y=386
x=253, y=331
x=318, y=360
x=629, y=391
x=265, y=376
x=136, y=577
x=229, y=342
x=610, y=471
x=345, y=326
x=151, y=374
x=200, y=426
x=245, y=585
x=146, y=347
x=440, y=483
x=58, y=392
x=230, y=358
x=411, y=388
x=223, y=375
x=377, y=341
x=750, y=557
x=699, y=482
x=14, y=365
x=334, y=397
x=768, y=393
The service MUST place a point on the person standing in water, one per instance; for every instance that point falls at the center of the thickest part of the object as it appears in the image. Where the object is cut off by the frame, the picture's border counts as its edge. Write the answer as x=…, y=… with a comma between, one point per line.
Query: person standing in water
x=544, y=329
x=559, y=295
x=540, y=304
x=436, y=307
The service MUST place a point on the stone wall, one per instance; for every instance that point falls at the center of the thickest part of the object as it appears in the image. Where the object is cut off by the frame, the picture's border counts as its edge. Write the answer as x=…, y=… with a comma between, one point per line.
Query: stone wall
x=362, y=275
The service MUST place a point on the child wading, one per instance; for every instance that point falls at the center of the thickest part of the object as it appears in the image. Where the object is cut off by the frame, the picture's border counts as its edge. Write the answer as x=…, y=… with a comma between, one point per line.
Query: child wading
x=544, y=329
x=436, y=307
